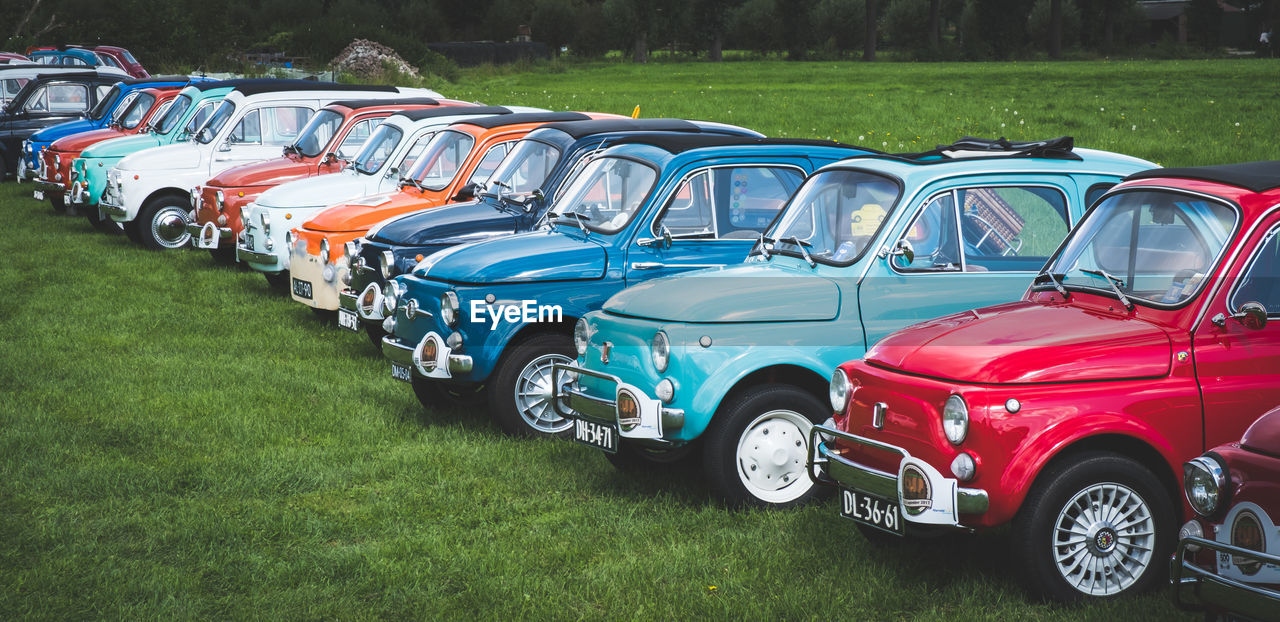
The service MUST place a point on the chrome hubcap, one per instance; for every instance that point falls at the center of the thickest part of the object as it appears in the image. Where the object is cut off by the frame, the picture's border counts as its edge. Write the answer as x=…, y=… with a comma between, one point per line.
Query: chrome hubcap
x=169, y=227
x=1103, y=539
x=533, y=395
x=771, y=456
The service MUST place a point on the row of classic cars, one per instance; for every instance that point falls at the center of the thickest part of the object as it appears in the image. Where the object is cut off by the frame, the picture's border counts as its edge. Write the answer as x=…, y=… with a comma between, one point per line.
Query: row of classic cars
x=683, y=294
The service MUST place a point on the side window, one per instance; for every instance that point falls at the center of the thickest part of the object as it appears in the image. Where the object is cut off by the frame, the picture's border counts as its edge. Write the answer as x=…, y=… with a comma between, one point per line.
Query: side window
x=248, y=130
x=1095, y=192
x=689, y=213
x=1011, y=229
x=280, y=125
x=932, y=236
x=198, y=119
x=355, y=138
x=1261, y=280
x=38, y=101
x=728, y=202
x=103, y=89
x=490, y=161
x=414, y=152
x=68, y=97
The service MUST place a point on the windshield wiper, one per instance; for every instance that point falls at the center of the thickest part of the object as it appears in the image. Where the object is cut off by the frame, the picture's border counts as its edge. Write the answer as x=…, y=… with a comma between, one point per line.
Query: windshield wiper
x=293, y=149
x=579, y=217
x=1053, y=278
x=796, y=240
x=409, y=180
x=762, y=245
x=1115, y=284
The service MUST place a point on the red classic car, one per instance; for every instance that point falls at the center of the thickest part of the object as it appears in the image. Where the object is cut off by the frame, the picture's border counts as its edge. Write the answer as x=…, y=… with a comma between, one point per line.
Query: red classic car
x=332, y=137
x=1068, y=414
x=1228, y=559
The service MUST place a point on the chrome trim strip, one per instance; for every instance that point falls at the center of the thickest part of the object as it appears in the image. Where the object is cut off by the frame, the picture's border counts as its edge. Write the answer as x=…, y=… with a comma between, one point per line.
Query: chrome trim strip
x=244, y=254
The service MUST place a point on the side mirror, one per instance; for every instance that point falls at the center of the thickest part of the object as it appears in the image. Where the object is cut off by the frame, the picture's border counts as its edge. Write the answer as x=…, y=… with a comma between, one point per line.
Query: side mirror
x=466, y=193
x=904, y=249
x=1252, y=315
x=664, y=241
x=666, y=237
x=392, y=172
x=225, y=146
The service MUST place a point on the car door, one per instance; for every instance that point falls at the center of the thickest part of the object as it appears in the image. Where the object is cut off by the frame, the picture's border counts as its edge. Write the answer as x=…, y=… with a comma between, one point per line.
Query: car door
x=1238, y=366
x=261, y=133
x=712, y=217
x=975, y=243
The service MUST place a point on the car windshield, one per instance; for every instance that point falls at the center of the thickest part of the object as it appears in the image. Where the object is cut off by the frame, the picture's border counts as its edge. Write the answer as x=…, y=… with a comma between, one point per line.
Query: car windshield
x=1151, y=246
x=835, y=214
x=216, y=122
x=378, y=148
x=318, y=132
x=171, y=118
x=130, y=116
x=606, y=195
x=524, y=169
x=442, y=159
x=105, y=103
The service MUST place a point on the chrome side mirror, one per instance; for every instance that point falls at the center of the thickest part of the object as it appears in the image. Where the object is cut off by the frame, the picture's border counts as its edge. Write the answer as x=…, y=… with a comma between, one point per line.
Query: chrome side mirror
x=664, y=241
x=904, y=249
x=391, y=172
x=1252, y=315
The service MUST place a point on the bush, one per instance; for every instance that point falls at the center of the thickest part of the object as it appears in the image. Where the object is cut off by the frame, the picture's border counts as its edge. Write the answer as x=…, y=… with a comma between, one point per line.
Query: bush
x=906, y=25
x=751, y=26
x=839, y=24
x=1038, y=24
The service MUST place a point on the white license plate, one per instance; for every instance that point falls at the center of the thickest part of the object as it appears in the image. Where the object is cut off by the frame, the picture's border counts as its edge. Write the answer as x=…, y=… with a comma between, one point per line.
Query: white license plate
x=38, y=194
x=871, y=510
x=402, y=373
x=596, y=435
x=348, y=320
x=302, y=289
x=66, y=198
x=248, y=241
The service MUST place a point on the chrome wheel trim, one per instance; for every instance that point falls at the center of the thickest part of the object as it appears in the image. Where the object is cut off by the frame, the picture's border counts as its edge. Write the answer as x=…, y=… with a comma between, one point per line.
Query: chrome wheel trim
x=533, y=395
x=771, y=456
x=1103, y=539
x=169, y=227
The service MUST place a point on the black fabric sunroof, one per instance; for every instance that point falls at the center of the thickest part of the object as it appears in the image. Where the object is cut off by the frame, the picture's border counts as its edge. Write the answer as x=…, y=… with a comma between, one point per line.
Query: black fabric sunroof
x=578, y=129
x=526, y=117
x=275, y=86
x=449, y=111
x=154, y=79
x=368, y=103
x=678, y=143
x=1255, y=176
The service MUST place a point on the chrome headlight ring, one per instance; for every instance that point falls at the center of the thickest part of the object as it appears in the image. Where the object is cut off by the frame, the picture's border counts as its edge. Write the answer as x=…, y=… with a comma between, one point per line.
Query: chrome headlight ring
x=581, y=336
x=955, y=419
x=449, y=306
x=660, y=351
x=839, y=390
x=1205, y=483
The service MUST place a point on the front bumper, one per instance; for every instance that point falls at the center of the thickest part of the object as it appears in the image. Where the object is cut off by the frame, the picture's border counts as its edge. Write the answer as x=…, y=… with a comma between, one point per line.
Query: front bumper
x=827, y=466
x=325, y=279
x=572, y=401
x=1197, y=589
x=445, y=365
x=208, y=235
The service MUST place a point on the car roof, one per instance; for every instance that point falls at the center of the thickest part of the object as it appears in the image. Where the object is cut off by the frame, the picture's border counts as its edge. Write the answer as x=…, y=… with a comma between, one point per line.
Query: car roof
x=1256, y=176
x=578, y=129
x=154, y=79
x=974, y=155
x=275, y=85
x=356, y=104
x=492, y=122
x=678, y=143
x=448, y=111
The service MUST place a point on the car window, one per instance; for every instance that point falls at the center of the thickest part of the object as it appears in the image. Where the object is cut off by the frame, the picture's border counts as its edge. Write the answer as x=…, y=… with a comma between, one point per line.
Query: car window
x=524, y=169
x=356, y=136
x=728, y=202
x=605, y=195
x=375, y=151
x=280, y=124
x=442, y=159
x=1261, y=280
x=414, y=152
x=103, y=89
x=136, y=111
x=59, y=98
x=1095, y=192
x=248, y=130
x=932, y=236
x=1011, y=228
x=485, y=167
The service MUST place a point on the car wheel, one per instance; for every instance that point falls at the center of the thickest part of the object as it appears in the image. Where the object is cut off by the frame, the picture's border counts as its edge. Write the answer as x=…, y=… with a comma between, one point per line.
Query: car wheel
x=633, y=458
x=520, y=399
x=375, y=333
x=278, y=281
x=433, y=394
x=101, y=222
x=758, y=446
x=1098, y=525
x=162, y=223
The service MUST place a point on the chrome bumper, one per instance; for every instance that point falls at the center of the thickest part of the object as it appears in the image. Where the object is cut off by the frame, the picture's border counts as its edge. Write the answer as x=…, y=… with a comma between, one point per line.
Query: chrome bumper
x=400, y=354
x=348, y=300
x=570, y=401
x=224, y=233
x=826, y=467
x=250, y=256
x=1197, y=589
x=111, y=209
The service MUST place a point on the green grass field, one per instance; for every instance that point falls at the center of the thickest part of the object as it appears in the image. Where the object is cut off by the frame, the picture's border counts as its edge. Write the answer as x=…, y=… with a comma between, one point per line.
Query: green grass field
x=178, y=442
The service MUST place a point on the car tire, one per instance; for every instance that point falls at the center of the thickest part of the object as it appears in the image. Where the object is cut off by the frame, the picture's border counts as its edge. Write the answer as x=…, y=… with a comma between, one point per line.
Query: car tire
x=375, y=334
x=633, y=458
x=101, y=222
x=162, y=223
x=758, y=445
x=278, y=281
x=1070, y=497
x=520, y=388
x=434, y=394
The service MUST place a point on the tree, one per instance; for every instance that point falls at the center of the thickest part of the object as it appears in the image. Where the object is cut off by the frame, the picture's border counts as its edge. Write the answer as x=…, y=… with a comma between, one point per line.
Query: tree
x=711, y=19
x=751, y=25
x=553, y=22
x=869, y=36
x=839, y=23
x=1055, y=29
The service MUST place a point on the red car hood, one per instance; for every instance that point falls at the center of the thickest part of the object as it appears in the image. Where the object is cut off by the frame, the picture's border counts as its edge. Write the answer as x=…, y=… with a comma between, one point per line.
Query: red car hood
x=1025, y=342
x=1264, y=435
x=266, y=173
x=365, y=212
x=83, y=140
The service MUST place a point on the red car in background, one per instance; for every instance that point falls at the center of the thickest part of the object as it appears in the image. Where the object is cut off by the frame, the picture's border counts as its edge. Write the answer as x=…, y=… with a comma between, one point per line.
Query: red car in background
x=109, y=55
x=324, y=146
x=1068, y=414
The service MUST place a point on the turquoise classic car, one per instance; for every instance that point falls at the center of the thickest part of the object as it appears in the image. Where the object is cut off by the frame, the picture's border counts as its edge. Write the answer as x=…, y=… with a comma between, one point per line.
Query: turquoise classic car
x=738, y=358
x=488, y=319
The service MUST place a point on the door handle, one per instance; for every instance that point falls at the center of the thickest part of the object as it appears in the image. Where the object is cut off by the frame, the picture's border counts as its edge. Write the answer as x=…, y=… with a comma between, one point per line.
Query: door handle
x=647, y=265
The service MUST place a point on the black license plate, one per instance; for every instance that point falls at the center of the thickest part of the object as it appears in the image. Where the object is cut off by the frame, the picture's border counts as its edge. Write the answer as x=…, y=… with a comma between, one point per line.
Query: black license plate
x=596, y=435
x=348, y=320
x=871, y=510
x=302, y=289
x=401, y=373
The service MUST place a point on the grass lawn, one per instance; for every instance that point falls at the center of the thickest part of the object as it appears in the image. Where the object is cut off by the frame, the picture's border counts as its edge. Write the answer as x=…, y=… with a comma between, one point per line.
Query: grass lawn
x=176, y=441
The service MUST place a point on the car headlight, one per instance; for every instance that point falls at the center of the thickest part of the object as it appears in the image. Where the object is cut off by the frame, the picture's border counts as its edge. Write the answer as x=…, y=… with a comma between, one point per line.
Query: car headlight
x=1203, y=482
x=194, y=195
x=391, y=298
x=955, y=419
x=660, y=351
x=839, y=390
x=581, y=336
x=449, y=309
x=222, y=200
x=348, y=254
x=324, y=249
x=388, y=260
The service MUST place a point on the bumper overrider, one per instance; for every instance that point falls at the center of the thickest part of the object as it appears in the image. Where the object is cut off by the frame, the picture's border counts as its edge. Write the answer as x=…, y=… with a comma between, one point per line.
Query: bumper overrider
x=939, y=502
x=1198, y=589
x=208, y=235
x=366, y=304
x=429, y=358
x=645, y=419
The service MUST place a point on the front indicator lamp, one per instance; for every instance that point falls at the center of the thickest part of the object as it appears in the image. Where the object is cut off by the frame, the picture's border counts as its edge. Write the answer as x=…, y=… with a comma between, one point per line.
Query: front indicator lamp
x=666, y=391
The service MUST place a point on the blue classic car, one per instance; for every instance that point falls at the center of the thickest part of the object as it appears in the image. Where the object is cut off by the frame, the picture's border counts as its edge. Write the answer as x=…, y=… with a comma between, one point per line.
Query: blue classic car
x=739, y=356
x=500, y=312
x=513, y=201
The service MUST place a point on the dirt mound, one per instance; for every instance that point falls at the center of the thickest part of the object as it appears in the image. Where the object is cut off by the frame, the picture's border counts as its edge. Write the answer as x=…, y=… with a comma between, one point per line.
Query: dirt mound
x=368, y=59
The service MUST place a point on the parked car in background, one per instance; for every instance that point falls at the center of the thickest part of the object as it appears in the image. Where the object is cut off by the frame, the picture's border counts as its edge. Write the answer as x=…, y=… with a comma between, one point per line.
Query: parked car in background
x=44, y=101
x=1228, y=558
x=513, y=200
x=737, y=357
x=491, y=318
x=151, y=190
x=57, y=175
x=74, y=56
x=452, y=167
x=389, y=154
x=14, y=77
x=123, y=58
x=1148, y=337
x=329, y=141
x=12, y=58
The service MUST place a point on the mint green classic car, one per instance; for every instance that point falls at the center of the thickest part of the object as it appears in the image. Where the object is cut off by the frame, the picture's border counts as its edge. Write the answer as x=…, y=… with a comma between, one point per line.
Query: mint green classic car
x=733, y=363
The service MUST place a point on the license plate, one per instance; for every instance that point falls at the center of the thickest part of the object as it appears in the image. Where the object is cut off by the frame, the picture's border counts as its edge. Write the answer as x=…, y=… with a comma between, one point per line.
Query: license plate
x=871, y=510
x=401, y=373
x=347, y=319
x=596, y=435
x=38, y=194
x=66, y=198
x=302, y=288
x=248, y=241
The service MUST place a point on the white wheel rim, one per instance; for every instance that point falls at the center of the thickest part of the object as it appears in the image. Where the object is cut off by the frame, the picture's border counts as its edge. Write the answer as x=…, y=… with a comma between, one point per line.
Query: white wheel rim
x=533, y=395
x=771, y=456
x=1103, y=539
